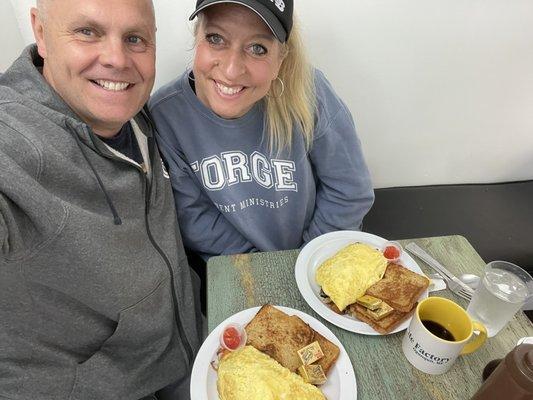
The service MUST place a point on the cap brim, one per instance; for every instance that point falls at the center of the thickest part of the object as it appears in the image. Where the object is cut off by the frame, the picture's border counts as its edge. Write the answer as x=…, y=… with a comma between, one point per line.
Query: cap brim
x=264, y=13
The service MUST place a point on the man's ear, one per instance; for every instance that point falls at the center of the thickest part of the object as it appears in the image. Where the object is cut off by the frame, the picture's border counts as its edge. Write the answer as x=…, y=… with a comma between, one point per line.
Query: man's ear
x=38, y=31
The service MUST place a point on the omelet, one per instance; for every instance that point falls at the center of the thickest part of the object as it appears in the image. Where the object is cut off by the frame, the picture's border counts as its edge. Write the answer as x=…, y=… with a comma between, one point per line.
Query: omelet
x=248, y=374
x=349, y=273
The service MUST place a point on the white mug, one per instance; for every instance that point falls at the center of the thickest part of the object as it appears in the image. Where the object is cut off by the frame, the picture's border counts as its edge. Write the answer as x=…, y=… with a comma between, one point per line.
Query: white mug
x=439, y=332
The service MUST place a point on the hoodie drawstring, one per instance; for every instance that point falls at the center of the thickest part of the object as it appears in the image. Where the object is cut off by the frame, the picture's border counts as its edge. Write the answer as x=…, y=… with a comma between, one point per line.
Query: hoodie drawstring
x=116, y=217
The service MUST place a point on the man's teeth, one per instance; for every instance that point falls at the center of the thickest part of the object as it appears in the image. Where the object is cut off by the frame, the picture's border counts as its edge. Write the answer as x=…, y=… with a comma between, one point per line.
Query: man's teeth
x=114, y=86
x=229, y=90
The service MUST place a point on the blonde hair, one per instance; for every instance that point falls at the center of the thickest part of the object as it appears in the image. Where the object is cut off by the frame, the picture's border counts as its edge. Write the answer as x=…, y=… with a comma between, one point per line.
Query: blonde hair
x=295, y=107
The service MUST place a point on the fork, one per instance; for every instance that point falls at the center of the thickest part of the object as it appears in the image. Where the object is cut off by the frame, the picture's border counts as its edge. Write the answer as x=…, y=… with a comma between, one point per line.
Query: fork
x=456, y=287
x=458, y=290
x=452, y=286
x=452, y=282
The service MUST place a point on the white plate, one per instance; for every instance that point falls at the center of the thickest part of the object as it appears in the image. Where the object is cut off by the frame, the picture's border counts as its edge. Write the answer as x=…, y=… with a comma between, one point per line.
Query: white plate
x=341, y=384
x=319, y=250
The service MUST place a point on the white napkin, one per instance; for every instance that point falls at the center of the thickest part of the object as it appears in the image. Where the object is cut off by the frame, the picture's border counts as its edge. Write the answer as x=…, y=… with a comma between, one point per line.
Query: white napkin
x=436, y=284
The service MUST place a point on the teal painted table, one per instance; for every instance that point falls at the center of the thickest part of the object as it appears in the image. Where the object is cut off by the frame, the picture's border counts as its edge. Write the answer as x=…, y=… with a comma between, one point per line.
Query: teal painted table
x=248, y=280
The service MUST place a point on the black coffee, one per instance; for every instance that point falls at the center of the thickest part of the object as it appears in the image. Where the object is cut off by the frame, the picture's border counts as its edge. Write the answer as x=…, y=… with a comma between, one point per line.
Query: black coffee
x=438, y=330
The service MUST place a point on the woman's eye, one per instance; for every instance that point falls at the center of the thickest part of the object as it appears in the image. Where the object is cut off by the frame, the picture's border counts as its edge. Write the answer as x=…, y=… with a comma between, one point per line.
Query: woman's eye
x=214, y=38
x=258, y=49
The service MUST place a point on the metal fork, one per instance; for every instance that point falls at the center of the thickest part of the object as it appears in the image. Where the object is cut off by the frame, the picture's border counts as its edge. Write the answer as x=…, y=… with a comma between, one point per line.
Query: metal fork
x=452, y=286
x=452, y=282
x=458, y=290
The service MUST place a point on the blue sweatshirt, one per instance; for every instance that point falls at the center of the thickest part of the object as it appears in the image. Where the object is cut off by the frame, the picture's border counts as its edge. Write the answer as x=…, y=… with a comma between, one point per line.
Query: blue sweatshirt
x=234, y=196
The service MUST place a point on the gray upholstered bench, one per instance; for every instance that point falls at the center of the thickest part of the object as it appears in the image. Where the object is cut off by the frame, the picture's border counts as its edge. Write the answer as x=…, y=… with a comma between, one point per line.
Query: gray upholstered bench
x=497, y=219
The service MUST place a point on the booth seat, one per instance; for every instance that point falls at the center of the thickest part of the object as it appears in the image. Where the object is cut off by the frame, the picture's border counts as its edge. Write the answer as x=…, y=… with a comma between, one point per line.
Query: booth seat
x=497, y=219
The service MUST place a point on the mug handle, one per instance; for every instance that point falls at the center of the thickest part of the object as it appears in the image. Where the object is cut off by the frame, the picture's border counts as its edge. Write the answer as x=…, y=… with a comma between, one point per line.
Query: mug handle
x=475, y=343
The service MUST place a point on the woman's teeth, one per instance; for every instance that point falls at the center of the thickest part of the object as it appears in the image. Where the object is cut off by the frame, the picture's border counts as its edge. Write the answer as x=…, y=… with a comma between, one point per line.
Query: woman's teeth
x=229, y=90
x=113, y=86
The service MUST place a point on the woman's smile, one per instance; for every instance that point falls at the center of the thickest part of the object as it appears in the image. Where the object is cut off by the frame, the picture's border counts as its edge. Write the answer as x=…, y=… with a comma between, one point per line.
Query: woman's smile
x=227, y=90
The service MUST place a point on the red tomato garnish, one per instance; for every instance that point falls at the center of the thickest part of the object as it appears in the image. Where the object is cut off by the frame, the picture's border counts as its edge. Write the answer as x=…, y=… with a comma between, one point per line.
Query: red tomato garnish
x=391, y=252
x=232, y=338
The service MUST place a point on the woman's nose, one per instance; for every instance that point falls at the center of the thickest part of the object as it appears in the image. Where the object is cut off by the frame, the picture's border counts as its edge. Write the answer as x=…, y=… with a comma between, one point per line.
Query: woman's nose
x=233, y=64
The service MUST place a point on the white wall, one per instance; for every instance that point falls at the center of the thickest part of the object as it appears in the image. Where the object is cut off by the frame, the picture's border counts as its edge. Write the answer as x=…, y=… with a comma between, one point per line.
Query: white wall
x=441, y=90
x=11, y=40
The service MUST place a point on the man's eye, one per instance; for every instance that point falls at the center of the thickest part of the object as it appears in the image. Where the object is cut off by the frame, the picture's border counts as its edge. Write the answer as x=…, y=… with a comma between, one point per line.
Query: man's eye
x=214, y=38
x=134, y=40
x=86, y=32
x=258, y=49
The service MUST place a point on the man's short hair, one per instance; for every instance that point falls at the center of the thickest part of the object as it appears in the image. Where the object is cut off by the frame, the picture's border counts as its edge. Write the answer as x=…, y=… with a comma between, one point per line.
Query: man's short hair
x=42, y=5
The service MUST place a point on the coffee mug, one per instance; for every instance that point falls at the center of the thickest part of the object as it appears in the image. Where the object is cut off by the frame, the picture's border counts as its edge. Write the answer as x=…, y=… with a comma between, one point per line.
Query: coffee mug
x=439, y=332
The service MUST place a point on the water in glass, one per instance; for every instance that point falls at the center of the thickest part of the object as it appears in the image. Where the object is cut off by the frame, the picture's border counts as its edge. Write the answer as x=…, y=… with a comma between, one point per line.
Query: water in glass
x=498, y=297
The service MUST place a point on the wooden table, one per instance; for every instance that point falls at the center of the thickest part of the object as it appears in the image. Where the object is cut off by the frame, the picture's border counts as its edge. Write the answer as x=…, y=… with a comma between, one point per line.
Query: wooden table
x=382, y=372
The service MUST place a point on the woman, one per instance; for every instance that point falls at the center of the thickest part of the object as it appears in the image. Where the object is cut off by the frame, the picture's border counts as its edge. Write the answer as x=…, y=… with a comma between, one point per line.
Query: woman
x=261, y=152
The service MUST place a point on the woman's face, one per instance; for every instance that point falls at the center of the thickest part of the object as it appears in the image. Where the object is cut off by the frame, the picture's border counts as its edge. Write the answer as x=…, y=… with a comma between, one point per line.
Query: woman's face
x=237, y=58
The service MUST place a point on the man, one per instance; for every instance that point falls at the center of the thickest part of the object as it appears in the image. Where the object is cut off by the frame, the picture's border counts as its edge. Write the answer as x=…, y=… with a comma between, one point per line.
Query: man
x=96, y=299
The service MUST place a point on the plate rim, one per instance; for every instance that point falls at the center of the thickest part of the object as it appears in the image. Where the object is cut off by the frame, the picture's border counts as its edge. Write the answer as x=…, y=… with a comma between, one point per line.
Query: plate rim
x=346, y=323
x=197, y=391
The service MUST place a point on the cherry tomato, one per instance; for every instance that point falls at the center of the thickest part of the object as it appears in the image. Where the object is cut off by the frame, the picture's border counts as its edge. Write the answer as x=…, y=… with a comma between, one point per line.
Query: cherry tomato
x=232, y=338
x=391, y=252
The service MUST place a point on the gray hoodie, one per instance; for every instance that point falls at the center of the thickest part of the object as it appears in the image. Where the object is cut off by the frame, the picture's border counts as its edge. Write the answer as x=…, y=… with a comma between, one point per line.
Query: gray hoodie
x=96, y=299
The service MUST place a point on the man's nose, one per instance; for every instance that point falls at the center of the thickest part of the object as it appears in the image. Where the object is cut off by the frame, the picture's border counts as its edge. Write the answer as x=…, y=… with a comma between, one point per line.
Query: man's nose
x=114, y=53
x=233, y=64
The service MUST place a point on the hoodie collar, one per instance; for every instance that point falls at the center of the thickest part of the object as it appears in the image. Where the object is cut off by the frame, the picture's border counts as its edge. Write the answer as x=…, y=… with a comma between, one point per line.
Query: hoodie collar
x=25, y=77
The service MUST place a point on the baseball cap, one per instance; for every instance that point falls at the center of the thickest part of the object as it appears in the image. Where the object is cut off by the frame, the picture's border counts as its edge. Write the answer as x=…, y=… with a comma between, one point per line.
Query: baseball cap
x=277, y=14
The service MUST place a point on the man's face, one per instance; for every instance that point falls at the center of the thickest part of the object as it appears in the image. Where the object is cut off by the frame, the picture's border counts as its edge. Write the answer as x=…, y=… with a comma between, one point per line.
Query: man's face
x=99, y=56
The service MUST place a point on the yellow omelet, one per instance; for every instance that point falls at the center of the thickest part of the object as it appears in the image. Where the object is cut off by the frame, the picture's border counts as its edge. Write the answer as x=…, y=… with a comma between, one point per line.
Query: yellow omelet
x=348, y=274
x=248, y=374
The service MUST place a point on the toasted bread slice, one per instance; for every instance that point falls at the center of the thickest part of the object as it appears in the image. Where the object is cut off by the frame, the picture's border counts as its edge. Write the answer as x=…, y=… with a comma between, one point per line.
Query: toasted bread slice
x=279, y=335
x=400, y=287
x=330, y=350
x=384, y=325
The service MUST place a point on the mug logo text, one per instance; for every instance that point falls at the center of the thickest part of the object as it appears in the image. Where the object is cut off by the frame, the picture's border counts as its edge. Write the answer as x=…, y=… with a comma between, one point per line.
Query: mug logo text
x=426, y=355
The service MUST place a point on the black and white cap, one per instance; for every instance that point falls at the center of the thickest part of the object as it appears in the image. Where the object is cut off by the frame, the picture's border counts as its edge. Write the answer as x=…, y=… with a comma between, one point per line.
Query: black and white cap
x=277, y=14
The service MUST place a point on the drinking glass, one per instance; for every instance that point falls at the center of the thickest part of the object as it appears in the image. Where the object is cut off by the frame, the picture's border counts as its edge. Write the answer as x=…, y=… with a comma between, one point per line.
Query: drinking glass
x=503, y=289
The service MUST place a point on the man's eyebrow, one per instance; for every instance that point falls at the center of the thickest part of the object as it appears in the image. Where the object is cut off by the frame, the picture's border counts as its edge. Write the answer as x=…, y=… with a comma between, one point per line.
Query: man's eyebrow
x=85, y=20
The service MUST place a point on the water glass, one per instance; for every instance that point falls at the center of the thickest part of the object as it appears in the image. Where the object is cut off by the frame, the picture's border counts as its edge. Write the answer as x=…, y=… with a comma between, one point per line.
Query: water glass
x=503, y=289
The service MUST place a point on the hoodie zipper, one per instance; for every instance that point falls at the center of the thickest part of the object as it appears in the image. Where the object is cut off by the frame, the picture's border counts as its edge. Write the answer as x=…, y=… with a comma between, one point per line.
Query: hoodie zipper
x=148, y=190
x=181, y=329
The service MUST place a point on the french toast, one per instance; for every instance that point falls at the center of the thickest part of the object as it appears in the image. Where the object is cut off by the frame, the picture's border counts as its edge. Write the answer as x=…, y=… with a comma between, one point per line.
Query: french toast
x=281, y=336
x=400, y=288
x=385, y=324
